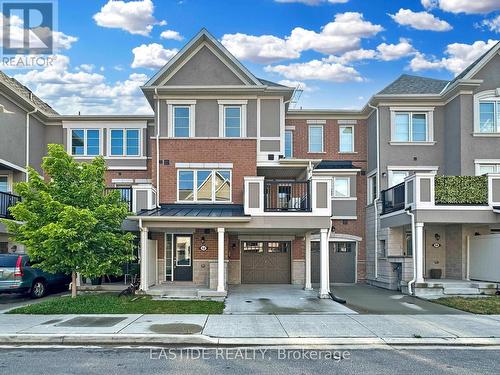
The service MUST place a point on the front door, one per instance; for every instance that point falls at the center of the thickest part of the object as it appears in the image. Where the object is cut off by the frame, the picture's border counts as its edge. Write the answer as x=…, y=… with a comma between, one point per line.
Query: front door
x=183, y=262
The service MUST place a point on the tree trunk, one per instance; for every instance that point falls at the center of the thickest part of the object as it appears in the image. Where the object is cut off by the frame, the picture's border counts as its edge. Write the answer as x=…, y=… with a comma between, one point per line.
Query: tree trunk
x=73, y=284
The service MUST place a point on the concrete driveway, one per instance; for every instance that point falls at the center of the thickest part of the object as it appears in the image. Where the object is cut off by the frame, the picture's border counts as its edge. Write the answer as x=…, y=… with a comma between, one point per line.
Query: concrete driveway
x=10, y=301
x=366, y=299
x=279, y=299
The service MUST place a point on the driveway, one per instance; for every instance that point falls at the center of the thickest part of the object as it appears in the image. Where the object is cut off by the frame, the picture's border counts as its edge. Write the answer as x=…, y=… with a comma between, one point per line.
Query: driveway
x=9, y=301
x=367, y=299
x=279, y=299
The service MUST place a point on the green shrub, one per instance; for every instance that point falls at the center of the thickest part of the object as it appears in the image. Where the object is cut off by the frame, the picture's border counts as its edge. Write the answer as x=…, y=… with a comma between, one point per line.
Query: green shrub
x=461, y=189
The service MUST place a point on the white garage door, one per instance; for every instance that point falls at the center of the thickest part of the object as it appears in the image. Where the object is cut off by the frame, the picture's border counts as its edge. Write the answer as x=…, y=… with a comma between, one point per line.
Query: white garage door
x=484, y=258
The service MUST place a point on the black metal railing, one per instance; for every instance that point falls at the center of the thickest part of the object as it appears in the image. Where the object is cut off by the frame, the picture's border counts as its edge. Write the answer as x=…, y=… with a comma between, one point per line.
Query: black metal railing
x=287, y=196
x=125, y=193
x=7, y=200
x=393, y=199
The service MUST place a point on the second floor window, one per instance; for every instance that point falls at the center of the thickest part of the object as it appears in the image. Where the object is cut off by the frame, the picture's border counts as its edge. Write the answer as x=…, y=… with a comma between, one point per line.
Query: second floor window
x=85, y=142
x=181, y=121
x=341, y=187
x=204, y=186
x=232, y=122
x=410, y=127
x=346, y=142
x=489, y=117
x=315, y=138
x=125, y=142
x=288, y=144
x=397, y=177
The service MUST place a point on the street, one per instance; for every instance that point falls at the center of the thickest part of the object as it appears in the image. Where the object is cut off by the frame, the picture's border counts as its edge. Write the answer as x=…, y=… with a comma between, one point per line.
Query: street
x=232, y=360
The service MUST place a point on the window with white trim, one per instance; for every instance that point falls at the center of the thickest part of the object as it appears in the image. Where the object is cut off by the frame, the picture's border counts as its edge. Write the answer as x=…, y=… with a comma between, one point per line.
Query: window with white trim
x=346, y=139
x=181, y=120
x=288, y=144
x=315, y=138
x=410, y=127
x=125, y=142
x=232, y=121
x=372, y=188
x=397, y=177
x=489, y=115
x=4, y=184
x=341, y=187
x=482, y=169
x=204, y=186
x=85, y=142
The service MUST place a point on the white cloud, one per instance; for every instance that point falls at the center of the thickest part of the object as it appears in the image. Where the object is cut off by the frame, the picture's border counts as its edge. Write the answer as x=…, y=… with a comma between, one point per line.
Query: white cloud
x=316, y=70
x=420, y=20
x=463, y=6
x=459, y=57
x=389, y=52
x=492, y=25
x=261, y=49
x=87, y=67
x=343, y=34
x=351, y=56
x=72, y=91
x=313, y=2
x=297, y=84
x=152, y=56
x=171, y=34
x=136, y=17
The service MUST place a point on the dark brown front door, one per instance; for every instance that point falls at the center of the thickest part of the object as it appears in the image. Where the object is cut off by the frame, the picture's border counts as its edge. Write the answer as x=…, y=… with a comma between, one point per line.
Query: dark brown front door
x=265, y=262
x=183, y=261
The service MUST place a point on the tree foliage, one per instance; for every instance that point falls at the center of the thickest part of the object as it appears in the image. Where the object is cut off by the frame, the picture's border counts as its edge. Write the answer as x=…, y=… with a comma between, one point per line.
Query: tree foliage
x=67, y=221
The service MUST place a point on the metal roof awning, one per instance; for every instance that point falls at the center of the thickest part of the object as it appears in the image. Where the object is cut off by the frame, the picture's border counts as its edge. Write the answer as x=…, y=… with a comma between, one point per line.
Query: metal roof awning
x=194, y=212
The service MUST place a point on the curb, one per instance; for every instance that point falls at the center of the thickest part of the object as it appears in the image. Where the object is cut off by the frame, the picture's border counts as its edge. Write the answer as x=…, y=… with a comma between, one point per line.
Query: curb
x=203, y=340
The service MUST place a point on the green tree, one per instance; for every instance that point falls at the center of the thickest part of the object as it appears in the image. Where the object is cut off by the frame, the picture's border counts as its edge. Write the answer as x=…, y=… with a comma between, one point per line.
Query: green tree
x=68, y=222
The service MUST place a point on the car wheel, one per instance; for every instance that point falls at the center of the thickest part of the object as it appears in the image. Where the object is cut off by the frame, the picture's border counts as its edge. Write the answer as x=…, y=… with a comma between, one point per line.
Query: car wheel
x=38, y=289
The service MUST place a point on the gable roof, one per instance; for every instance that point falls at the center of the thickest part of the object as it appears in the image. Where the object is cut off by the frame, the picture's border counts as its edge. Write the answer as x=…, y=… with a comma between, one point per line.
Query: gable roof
x=409, y=84
x=26, y=94
x=202, y=36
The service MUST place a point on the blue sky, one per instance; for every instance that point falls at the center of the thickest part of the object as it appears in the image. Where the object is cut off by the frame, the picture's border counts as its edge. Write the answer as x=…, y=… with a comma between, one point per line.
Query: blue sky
x=340, y=51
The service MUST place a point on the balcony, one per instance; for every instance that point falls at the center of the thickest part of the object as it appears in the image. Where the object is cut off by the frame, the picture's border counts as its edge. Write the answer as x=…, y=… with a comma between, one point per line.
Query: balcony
x=287, y=197
x=125, y=194
x=7, y=200
x=393, y=199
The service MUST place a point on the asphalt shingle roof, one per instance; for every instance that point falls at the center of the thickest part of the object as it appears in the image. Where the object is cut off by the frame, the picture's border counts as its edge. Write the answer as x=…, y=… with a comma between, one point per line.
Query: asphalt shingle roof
x=193, y=210
x=26, y=93
x=408, y=84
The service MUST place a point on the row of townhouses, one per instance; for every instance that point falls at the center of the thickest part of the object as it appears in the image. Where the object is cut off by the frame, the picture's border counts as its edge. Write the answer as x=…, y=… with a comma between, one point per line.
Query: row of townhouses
x=228, y=185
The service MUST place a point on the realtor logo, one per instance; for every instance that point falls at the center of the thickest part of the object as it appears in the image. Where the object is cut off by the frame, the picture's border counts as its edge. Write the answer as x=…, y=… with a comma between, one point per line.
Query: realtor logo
x=28, y=27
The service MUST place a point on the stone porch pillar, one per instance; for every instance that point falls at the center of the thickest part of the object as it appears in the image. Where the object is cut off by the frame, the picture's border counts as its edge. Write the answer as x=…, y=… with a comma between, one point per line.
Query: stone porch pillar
x=307, y=285
x=418, y=252
x=144, y=259
x=324, y=265
x=221, y=283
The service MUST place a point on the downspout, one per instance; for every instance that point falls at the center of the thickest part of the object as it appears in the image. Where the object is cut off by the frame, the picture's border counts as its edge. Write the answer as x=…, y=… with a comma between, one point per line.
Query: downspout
x=157, y=148
x=412, y=281
x=28, y=136
x=377, y=198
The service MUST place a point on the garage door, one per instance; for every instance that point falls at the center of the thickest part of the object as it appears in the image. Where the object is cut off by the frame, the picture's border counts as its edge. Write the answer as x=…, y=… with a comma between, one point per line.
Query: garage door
x=342, y=262
x=484, y=255
x=265, y=262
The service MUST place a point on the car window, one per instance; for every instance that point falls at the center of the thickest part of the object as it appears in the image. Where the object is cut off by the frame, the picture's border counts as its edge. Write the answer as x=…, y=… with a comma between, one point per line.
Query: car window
x=8, y=261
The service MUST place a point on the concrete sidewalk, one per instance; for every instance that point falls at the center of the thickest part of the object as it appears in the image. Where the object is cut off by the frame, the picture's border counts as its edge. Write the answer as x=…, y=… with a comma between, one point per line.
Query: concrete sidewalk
x=251, y=329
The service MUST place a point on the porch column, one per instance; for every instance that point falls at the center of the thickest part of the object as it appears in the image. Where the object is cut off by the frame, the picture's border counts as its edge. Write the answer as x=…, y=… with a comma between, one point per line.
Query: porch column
x=324, y=265
x=144, y=259
x=419, y=252
x=221, y=284
x=308, y=285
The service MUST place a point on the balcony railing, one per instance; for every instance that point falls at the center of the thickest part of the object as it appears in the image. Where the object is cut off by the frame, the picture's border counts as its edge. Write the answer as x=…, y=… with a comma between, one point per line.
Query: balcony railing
x=287, y=196
x=125, y=193
x=7, y=200
x=393, y=199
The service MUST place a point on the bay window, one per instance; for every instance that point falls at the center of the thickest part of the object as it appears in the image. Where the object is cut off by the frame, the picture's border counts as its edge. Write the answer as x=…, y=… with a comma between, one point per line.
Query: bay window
x=204, y=186
x=85, y=142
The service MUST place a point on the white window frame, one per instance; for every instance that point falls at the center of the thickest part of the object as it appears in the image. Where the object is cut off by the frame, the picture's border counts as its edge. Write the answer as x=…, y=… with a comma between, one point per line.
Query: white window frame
x=322, y=139
x=348, y=187
x=124, y=150
x=371, y=184
x=390, y=176
x=429, y=118
x=191, y=104
x=341, y=127
x=232, y=103
x=488, y=96
x=9, y=181
x=70, y=142
x=486, y=162
x=291, y=145
x=195, y=186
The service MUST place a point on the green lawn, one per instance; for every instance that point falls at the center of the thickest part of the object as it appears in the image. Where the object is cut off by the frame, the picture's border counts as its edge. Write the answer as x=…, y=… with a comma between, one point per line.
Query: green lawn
x=112, y=304
x=479, y=305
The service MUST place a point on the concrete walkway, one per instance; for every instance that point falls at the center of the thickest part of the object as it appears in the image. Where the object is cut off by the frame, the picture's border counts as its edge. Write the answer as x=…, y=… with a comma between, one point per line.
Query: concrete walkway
x=251, y=329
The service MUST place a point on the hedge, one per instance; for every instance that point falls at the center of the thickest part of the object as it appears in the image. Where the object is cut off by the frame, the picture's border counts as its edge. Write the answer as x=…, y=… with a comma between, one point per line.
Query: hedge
x=461, y=189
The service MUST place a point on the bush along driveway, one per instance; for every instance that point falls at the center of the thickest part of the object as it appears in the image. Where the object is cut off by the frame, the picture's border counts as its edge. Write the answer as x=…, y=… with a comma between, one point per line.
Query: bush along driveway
x=112, y=304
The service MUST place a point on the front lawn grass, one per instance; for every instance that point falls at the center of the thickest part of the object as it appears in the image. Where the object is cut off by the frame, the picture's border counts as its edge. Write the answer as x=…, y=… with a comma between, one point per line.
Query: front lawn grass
x=478, y=305
x=106, y=303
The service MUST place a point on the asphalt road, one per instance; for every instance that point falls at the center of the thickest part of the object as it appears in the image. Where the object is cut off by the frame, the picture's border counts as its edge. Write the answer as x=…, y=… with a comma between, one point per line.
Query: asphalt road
x=233, y=361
